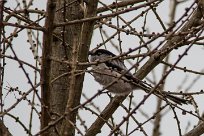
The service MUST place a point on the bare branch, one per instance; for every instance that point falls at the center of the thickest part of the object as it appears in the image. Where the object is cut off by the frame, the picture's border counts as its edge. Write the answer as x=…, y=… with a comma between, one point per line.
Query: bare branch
x=46, y=63
x=143, y=71
x=197, y=131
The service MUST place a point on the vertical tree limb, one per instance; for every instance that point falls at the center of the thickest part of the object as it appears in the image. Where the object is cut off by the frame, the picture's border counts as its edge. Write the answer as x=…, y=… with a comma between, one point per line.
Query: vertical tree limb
x=61, y=46
x=3, y=129
x=1, y=65
x=46, y=62
x=197, y=131
x=79, y=54
x=158, y=118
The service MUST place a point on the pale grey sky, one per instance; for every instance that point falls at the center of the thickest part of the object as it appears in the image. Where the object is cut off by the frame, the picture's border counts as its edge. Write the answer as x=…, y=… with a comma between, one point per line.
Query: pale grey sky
x=15, y=77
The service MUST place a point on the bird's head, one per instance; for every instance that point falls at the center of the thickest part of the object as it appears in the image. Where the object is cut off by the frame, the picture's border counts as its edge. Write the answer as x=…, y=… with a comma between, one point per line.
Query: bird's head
x=100, y=54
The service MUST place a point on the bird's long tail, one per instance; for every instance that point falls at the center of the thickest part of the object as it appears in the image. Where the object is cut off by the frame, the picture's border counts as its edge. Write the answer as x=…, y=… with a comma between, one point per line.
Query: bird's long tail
x=164, y=95
x=175, y=99
x=161, y=94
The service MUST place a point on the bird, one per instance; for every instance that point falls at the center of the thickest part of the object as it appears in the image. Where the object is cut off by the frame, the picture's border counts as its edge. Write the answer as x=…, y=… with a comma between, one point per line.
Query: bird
x=111, y=72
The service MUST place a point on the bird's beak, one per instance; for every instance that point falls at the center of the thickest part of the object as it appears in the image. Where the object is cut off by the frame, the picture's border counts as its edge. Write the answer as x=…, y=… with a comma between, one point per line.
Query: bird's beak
x=90, y=53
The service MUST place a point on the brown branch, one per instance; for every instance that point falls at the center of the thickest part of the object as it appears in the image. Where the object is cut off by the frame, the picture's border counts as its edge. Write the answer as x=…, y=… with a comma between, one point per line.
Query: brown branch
x=19, y=100
x=157, y=121
x=184, y=69
x=23, y=62
x=1, y=48
x=23, y=26
x=88, y=19
x=168, y=47
x=105, y=115
x=46, y=63
x=80, y=50
x=119, y=5
x=20, y=17
x=197, y=131
x=3, y=129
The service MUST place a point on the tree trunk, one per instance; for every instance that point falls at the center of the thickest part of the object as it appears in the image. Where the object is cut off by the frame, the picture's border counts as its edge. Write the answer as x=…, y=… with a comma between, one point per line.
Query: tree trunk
x=61, y=88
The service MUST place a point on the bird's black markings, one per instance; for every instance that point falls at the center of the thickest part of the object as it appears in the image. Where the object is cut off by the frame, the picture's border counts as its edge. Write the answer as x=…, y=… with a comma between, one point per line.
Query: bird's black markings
x=100, y=51
x=112, y=65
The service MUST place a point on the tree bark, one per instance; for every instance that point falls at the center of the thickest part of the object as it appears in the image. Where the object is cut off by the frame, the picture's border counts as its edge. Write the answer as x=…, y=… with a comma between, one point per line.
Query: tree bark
x=80, y=50
x=46, y=64
x=4, y=130
x=61, y=88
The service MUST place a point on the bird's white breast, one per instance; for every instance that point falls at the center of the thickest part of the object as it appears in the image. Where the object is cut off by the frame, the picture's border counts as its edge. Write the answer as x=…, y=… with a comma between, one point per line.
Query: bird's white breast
x=106, y=77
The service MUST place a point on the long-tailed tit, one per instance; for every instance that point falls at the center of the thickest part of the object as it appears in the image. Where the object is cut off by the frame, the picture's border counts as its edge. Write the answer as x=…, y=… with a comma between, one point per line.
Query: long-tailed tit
x=109, y=70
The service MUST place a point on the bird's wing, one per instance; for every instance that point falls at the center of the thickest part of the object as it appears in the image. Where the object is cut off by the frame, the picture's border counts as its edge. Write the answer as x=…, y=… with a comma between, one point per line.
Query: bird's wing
x=119, y=66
